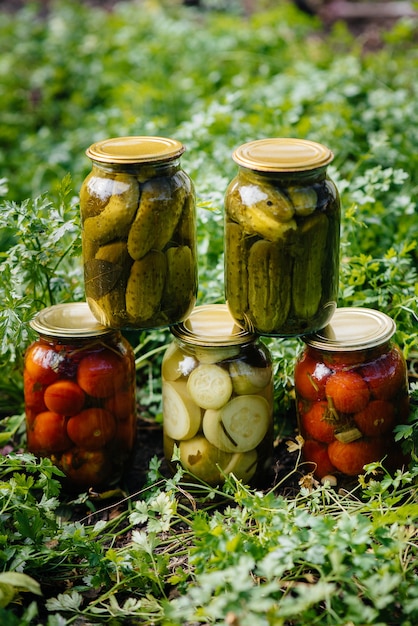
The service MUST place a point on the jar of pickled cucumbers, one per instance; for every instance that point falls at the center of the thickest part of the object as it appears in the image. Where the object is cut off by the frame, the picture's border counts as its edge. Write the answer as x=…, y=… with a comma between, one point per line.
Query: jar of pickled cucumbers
x=282, y=232
x=217, y=390
x=351, y=391
x=79, y=387
x=138, y=233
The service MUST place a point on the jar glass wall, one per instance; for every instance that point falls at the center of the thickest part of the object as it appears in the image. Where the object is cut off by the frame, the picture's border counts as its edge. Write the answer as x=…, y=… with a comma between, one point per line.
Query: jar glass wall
x=282, y=232
x=79, y=386
x=351, y=392
x=138, y=233
x=218, y=399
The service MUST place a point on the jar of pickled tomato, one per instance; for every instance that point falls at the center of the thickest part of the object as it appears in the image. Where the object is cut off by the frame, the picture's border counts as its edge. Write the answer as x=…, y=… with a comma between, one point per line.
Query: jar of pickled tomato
x=217, y=391
x=138, y=233
x=79, y=387
x=282, y=233
x=351, y=390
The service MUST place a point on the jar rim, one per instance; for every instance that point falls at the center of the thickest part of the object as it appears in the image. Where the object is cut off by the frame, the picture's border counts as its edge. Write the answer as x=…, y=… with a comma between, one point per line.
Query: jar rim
x=211, y=325
x=135, y=149
x=281, y=154
x=68, y=320
x=353, y=328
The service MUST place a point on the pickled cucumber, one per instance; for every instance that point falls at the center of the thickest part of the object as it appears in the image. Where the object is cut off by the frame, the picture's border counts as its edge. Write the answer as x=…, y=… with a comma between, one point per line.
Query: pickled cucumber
x=169, y=218
x=209, y=386
x=240, y=425
x=181, y=283
x=116, y=253
x=304, y=200
x=127, y=187
x=105, y=279
x=113, y=305
x=269, y=286
x=145, y=286
x=263, y=211
x=115, y=220
x=89, y=247
x=184, y=233
x=181, y=416
x=236, y=276
x=158, y=213
x=94, y=194
x=308, y=266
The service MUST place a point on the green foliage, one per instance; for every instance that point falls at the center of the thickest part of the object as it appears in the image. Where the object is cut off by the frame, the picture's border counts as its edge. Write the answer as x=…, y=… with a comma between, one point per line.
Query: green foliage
x=320, y=557
x=42, y=265
x=213, y=78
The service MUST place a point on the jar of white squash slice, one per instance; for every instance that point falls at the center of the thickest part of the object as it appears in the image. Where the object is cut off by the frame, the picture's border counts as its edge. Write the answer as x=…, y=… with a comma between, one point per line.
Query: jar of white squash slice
x=217, y=388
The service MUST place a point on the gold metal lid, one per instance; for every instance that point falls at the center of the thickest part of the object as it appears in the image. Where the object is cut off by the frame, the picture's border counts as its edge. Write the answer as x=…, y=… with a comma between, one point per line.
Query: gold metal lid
x=129, y=150
x=69, y=320
x=353, y=329
x=282, y=155
x=211, y=325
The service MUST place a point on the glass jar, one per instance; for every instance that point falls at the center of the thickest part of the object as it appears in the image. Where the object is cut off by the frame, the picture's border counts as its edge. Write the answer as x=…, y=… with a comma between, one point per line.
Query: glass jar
x=217, y=389
x=351, y=391
x=282, y=232
x=79, y=386
x=138, y=233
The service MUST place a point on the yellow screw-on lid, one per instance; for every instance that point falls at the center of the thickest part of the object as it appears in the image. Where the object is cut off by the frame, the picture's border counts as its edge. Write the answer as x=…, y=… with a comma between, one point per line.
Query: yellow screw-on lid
x=282, y=155
x=128, y=150
x=211, y=325
x=69, y=320
x=353, y=329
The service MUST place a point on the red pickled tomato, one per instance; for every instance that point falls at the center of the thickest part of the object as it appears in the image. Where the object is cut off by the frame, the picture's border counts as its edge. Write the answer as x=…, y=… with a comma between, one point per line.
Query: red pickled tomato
x=386, y=376
x=64, y=397
x=33, y=444
x=85, y=467
x=101, y=374
x=350, y=458
x=376, y=419
x=30, y=416
x=317, y=453
x=121, y=405
x=40, y=364
x=92, y=428
x=342, y=360
x=348, y=391
x=50, y=433
x=310, y=378
x=34, y=393
x=314, y=426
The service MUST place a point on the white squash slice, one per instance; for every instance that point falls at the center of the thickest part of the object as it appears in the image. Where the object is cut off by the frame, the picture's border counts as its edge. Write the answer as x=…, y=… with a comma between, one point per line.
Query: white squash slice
x=215, y=355
x=240, y=425
x=243, y=465
x=182, y=417
x=247, y=379
x=203, y=460
x=209, y=386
